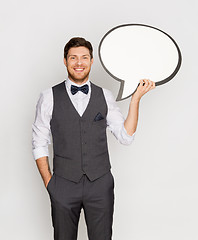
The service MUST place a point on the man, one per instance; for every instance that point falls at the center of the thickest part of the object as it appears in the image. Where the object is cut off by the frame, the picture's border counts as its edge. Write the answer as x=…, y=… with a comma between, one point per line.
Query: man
x=77, y=112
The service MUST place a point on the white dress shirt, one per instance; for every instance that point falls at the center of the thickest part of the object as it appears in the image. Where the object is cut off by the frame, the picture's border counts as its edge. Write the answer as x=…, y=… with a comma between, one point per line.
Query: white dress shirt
x=41, y=132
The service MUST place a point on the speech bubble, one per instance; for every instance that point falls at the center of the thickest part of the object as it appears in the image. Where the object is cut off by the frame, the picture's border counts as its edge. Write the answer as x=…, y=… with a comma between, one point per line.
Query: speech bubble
x=132, y=52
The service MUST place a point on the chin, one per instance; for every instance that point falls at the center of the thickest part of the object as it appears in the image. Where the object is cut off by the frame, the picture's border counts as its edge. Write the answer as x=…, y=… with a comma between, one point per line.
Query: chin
x=78, y=79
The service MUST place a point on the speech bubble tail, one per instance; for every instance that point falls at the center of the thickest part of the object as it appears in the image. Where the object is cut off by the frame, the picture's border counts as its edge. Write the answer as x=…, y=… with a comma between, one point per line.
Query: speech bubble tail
x=123, y=92
x=119, y=97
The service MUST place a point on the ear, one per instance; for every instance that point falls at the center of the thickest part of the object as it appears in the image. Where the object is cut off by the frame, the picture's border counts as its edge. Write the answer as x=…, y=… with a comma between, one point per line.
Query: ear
x=65, y=62
x=91, y=61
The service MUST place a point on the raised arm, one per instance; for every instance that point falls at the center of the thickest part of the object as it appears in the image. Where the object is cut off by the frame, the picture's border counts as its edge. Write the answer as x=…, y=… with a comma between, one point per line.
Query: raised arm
x=115, y=120
x=131, y=121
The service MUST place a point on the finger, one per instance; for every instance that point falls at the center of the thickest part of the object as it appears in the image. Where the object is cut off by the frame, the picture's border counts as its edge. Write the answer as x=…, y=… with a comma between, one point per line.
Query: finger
x=151, y=85
x=148, y=84
x=142, y=82
x=145, y=82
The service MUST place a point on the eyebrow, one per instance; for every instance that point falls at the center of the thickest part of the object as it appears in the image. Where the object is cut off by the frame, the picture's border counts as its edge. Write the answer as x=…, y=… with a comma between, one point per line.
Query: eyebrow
x=76, y=55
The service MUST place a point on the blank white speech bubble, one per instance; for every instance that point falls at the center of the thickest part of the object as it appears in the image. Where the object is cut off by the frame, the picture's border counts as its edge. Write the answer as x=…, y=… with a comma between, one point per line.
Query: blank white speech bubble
x=132, y=52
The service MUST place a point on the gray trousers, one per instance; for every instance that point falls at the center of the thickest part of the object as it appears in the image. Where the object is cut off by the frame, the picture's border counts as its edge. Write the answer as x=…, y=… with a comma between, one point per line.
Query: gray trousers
x=68, y=198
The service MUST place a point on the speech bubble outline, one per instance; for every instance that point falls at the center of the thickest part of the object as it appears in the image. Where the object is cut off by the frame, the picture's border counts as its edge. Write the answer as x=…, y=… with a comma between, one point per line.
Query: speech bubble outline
x=122, y=81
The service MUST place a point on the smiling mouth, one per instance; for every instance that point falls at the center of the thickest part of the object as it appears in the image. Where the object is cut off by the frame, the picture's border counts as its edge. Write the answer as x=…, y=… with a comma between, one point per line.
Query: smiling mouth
x=79, y=69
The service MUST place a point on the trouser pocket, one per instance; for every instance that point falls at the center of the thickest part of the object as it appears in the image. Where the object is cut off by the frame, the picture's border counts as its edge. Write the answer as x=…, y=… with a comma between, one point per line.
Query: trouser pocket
x=50, y=184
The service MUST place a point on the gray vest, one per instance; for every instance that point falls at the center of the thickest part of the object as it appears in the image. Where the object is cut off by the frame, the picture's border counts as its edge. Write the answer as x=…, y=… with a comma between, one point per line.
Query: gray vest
x=79, y=143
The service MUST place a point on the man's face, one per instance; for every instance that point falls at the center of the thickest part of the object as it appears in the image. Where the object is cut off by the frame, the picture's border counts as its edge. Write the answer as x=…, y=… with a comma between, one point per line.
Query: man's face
x=78, y=64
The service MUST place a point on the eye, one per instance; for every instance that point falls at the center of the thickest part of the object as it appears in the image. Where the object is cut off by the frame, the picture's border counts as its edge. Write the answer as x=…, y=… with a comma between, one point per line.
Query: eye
x=72, y=57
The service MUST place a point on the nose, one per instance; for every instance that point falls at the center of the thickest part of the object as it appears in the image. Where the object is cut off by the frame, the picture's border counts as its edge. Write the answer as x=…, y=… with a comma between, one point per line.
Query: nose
x=79, y=61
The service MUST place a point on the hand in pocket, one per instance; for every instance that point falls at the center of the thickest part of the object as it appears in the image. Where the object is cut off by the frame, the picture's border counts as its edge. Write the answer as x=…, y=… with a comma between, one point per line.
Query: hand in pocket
x=48, y=182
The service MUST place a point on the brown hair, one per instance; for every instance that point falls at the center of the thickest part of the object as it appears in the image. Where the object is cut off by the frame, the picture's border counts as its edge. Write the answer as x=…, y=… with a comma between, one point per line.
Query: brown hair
x=78, y=42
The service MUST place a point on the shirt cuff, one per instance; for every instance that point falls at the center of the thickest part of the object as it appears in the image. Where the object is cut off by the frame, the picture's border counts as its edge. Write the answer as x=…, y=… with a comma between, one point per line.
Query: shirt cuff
x=128, y=138
x=40, y=152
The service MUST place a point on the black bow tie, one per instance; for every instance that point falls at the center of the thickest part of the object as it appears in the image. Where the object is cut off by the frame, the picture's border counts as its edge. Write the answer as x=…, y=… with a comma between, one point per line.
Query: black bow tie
x=75, y=89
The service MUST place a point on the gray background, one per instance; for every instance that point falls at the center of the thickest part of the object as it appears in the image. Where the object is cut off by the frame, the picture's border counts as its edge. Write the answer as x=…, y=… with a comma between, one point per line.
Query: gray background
x=156, y=191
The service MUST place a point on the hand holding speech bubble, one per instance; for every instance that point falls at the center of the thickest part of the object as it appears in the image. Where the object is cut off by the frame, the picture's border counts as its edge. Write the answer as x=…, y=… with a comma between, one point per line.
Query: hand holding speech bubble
x=132, y=52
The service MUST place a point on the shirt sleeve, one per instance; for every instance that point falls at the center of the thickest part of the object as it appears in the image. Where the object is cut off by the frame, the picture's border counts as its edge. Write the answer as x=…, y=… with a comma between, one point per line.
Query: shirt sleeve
x=41, y=133
x=115, y=120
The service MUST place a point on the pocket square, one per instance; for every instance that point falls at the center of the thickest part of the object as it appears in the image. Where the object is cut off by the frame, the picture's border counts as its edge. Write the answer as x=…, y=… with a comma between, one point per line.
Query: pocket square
x=98, y=117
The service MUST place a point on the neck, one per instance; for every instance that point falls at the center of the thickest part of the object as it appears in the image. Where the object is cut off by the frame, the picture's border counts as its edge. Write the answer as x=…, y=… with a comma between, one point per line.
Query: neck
x=78, y=81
